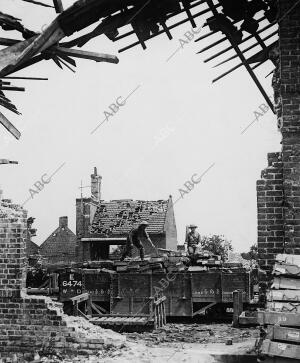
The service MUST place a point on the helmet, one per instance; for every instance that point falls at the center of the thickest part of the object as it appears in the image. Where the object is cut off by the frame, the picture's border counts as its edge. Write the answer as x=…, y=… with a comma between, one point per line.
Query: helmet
x=193, y=226
x=144, y=223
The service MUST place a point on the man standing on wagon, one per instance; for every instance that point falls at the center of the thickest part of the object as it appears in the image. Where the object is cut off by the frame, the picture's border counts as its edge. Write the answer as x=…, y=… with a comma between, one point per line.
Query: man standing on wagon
x=192, y=239
x=134, y=239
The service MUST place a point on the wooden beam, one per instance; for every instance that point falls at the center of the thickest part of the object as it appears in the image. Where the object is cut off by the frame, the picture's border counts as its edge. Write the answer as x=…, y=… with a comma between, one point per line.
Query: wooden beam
x=6, y=161
x=249, y=48
x=9, y=126
x=244, y=60
x=97, y=57
x=13, y=57
x=162, y=31
x=278, y=349
x=11, y=88
x=8, y=41
x=58, y=6
x=278, y=318
x=38, y=3
x=27, y=78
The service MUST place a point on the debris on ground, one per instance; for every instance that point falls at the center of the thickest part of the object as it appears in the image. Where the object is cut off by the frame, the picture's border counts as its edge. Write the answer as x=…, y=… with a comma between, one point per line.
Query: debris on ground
x=193, y=333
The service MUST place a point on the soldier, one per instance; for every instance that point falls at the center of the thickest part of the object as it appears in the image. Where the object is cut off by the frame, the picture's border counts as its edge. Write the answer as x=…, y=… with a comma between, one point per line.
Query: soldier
x=192, y=239
x=134, y=239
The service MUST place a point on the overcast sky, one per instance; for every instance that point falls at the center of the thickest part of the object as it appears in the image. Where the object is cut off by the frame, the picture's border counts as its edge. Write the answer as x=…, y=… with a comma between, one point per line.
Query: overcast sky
x=175, y=124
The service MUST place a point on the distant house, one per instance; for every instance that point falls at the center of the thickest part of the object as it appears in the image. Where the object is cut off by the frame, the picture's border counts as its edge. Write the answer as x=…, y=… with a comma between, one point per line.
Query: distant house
x=102, y=224
x=32, y=249
x=60, y=245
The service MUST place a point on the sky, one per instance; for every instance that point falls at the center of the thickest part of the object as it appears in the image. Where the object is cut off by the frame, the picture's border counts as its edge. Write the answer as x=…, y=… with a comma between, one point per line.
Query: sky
x=174, y=124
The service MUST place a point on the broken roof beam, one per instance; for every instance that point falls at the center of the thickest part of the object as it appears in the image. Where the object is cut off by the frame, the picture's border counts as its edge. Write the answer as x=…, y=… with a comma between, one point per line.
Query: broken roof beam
x=6, y=161
x=12, y=88
x=7, y=41
x=230, y=47
x=168, y=17
x=9, y=126
x=27, y=78
x=243, y=59
x=247, y=49
x=39, y=3
x=224, y=38
x=97, y=57
x=169, y=27
x=188, y=12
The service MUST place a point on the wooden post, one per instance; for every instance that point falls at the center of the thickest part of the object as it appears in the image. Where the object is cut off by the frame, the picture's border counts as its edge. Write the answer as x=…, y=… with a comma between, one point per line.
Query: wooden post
x=89, y=307
x=237, y=306
x=164, y=313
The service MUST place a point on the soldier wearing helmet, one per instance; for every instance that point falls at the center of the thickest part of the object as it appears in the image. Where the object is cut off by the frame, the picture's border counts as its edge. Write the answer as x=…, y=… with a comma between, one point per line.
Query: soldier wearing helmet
x=134, y=239
x=192, y=239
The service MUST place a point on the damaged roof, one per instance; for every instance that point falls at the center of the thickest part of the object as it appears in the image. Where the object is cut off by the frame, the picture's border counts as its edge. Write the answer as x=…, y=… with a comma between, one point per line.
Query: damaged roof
x=118, y=217
x=241, y=26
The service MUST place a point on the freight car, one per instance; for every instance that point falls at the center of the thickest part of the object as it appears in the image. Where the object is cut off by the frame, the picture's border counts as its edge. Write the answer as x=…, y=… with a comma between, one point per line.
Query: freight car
x=188, y=294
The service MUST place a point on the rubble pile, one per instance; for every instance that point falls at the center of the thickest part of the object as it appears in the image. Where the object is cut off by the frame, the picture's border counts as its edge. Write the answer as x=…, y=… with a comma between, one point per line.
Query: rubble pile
x=88, y=330
x=173, y=261
x=194, y=333
x=205, y=260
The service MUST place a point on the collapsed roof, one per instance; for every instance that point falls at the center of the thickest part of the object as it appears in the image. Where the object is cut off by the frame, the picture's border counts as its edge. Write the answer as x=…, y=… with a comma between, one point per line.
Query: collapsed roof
x=118, y=217
x=239, y=23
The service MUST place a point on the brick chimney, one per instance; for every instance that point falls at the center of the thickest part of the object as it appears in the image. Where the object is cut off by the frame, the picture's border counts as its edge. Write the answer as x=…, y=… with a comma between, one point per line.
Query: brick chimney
x=63, y=222
x=96, y=186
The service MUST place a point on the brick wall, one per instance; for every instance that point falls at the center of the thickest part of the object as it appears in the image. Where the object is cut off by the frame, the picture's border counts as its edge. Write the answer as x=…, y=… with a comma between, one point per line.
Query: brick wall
x=286, y=84
x=270, y=211
x=289, y=100
x=29, y=324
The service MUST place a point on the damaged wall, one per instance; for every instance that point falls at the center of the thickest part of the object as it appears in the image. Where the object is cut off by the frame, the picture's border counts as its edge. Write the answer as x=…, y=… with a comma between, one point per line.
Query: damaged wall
x=28, y=323
x=286, y=82
x=270, y=211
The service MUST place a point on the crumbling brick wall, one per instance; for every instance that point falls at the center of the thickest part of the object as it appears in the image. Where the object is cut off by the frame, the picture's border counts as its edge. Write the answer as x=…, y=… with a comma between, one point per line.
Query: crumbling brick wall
x=30, y=324
x=288, y=90
x=270, y=212
x=286, y=84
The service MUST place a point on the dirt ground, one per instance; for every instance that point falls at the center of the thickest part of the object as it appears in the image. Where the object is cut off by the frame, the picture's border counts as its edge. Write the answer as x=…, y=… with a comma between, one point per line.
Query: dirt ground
x=188, y=343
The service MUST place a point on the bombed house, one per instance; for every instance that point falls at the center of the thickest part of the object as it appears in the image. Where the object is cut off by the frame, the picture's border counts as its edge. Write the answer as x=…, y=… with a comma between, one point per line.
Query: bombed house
x=102, y=225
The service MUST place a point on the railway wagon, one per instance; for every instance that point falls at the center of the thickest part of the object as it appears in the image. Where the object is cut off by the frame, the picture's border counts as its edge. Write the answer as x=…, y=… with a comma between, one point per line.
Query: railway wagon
x=187, y=293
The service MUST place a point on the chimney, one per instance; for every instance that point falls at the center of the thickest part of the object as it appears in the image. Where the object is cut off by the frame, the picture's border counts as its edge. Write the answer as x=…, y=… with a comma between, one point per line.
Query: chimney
x=96, y=186
x=63, y=222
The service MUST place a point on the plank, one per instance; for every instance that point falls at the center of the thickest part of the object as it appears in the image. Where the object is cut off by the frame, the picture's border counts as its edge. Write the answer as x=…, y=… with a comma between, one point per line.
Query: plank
x=6, y=161
x=9, y=126
x=9, y=54
x=290, y=259
x=79, y=298
x=8, y=41
x=97, y=57
x=38, y=3
x=248, y=320
x=279, y=318
x=283, y=334
x=283, y=295
x=285, y=283
x=286, y=269
x=280, y=349
x=284, y=306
